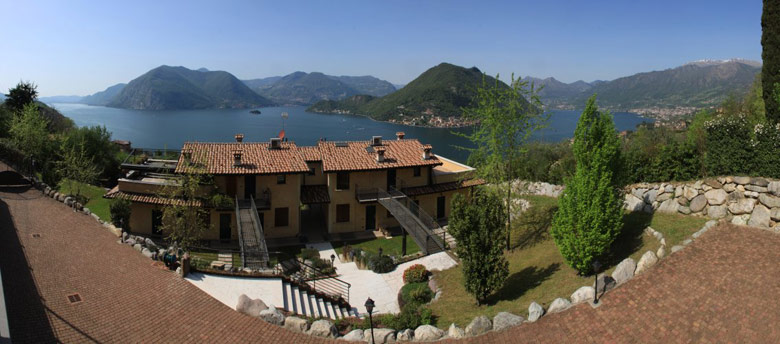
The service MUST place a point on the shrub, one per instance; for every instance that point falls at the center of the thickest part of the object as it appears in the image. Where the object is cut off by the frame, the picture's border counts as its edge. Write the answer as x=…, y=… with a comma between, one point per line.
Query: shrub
x=222, y=201
x=381, y=264
x=309, y=254
x=415, y=273
x=120, y=213
x=417, y=293
x=411, y=316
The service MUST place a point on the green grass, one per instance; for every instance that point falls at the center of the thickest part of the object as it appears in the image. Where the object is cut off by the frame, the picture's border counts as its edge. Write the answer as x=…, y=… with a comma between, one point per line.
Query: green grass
x=537, y=271
x=390, y=246
x=210, y=256
x=94, y=194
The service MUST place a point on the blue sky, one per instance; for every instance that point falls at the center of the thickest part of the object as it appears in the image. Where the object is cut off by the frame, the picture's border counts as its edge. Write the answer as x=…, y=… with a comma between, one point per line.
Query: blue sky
x=80, y=47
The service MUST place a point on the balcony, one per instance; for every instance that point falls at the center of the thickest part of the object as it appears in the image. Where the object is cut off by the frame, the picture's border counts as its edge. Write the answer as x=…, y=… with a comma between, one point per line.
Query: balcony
x=373, y=194
x=150, y=159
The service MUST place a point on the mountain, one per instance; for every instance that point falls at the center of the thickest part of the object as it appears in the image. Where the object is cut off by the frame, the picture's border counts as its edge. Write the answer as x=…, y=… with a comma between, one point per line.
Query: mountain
x=60, y=99
x=103, y=97
x=179, y=88
x=367, y=84
x=433, y=98
x=302, y=88
x=555, y=92
x=256, y=84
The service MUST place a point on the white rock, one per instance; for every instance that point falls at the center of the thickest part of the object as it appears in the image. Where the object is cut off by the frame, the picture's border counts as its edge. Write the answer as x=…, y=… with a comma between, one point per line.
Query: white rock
x=661, y=252
x=558, y=305
x=678, y=191
x=760, y=217
x=774, y=214
x=669, y=206
x=427, y=333
x=650, y=196
x=296, y=324
x=535, y=311
x=676, y=248
x=717, y=212
x=742, y=180
x=648, y=259
x=774, y=188
x=769, y=201
x=381, y=335
x=716, y=196
x=504, y=320
x=740, y=220
x=272, y=315
x=352, y=336
x=476, y=327
x=455, y=332
x=624, y=271
x=632, y=203
x=729, y=187
x=323, y=328
x=406, y=335
x=698, y=203
x=742, y=206
x=584, y=294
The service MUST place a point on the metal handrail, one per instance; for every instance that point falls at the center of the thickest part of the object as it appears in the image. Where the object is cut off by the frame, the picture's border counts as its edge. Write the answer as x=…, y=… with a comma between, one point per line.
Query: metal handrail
x=333, y=286
x=240, y=236
x=259, y=231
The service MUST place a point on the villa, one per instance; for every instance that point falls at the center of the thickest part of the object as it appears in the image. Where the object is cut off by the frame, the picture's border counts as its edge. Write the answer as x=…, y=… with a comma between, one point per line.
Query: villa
x=286, y=194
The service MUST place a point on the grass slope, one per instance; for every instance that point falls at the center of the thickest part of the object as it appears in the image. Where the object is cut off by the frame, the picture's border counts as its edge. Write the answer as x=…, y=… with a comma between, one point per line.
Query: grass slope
x=94, y=194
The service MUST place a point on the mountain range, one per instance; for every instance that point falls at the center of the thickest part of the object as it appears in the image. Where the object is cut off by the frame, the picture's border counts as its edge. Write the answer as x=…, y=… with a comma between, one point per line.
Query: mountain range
x=302, y=88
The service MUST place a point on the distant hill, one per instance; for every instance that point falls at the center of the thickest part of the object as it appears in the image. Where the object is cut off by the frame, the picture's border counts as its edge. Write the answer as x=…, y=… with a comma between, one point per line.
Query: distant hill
x=256, y=84
x=103, y=97
x=179, y=88
x=367, y=84
x=440, y=91
x=302, y=88
x=60, y=99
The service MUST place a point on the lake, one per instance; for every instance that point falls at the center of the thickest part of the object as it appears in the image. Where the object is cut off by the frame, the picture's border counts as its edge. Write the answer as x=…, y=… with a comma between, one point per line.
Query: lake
x=170, y=129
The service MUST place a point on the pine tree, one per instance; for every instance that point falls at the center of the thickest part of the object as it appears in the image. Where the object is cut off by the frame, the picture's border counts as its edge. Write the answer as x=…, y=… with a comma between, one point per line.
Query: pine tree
x=770, y=74
x=477, y=224
x=590, y=211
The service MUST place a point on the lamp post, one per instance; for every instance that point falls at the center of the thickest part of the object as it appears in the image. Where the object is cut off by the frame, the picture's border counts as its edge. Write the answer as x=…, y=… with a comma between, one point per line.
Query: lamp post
x=369, y=308
x=596, y=265
x=332, y=259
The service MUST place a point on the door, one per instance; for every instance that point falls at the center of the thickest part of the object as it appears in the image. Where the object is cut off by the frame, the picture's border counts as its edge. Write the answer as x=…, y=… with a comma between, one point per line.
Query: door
x=156, y=223
x=440, y=207
x=370, y=217
x=224, y=227
x=390, y=179
x=249, y=186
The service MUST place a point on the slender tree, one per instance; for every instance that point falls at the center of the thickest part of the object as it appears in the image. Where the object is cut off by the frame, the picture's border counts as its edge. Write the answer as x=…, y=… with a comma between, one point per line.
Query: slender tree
x=183, y=220
x=477, y=224
x=506, y=117
x=28, y=132
x=24, y=93
x=590, y=211
x=77, y=169
x=770, y=73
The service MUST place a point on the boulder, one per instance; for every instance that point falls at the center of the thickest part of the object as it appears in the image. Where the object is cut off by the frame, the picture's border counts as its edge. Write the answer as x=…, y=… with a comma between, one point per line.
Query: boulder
x=742, y=206
x=650, y=196
x=759, y=189
x=729, y=187
x=684, y=210
x=697, y=185
x=624, y=271
x=774, y=188
x=535, y=311
x=604, y=283
x=352, y=336
x=741, y=220
x=648, y=209
x=678, y=191
x=138, y=247
x=584, y=294
x=760, y=216
x=690, y=192
x=676, y=248
x=427, y=333
x=713, y=183
x=504, y=320
x=381, y=335
x=639, y=193
x=700, y=232
x=711, y=223
x=323, y=328
x=632, y=203
x=296, y=324
x=663, y=197
x=751, y=194
x=661, y=252
x=130, y=242
x=149, y=243
x=687, y=242
x=698, y=203
x=405, y=336
x=774, y=214
x=272, y=315
x=147, y=253
x=717, y=212
x=648, y=259
x=735, y=196
x=476, y=327
x=558, y=305
x=716, y=196
x=759, y=181
x=741, y=180
x=86, y=211
x=769, y=201
x=705, y=187
x=94, y=216
x=669, y=206
x=455, y=332
x=669, y=188
x=249, y=306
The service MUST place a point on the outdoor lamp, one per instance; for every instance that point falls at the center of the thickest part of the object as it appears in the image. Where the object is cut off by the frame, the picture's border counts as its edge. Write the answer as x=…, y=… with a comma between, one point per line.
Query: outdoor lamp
x=596, y=266
x=332, y=259
x=369, y=308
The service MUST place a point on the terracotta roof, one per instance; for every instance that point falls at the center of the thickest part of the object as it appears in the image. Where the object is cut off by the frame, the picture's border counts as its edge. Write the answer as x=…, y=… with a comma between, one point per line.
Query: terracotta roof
x=436, y=188
x=148, y=198
x=353, y=156
x=256, y=158
x=310, y=153
x=311, y=194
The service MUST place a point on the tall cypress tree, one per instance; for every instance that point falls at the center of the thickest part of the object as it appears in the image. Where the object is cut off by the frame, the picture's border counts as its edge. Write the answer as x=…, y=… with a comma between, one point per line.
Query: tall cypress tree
x=770, y=74
x=590, y=212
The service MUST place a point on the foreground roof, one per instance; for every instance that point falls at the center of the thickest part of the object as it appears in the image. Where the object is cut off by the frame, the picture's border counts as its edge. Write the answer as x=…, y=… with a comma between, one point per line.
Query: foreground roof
x=354, y=155
x=256, y=158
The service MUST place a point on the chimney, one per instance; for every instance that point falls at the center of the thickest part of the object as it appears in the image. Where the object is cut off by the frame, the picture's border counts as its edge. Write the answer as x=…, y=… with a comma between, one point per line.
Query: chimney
x=237, y=157
x=400, y=135
x=380, y=154
x=276, y=143
x=376, y=140
x=426, y=152
x=239, y=138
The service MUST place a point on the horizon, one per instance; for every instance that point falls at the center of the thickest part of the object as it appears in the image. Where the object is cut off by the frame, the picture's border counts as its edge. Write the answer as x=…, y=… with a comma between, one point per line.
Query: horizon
x=97, y=45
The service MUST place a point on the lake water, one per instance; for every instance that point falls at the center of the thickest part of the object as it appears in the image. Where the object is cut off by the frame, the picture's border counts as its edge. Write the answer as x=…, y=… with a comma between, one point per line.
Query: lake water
x=170, y=129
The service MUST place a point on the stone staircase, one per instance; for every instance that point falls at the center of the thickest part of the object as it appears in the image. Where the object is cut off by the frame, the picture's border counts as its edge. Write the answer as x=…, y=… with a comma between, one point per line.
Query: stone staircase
x=443, y=232
x=300, y=302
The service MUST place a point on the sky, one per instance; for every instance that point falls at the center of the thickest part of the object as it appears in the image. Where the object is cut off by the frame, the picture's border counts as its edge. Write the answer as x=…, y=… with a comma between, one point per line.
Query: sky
x=81, y=47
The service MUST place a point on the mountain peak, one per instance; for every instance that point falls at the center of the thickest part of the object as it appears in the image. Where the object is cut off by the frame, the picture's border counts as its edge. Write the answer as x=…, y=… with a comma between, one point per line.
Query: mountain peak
x=713, y=62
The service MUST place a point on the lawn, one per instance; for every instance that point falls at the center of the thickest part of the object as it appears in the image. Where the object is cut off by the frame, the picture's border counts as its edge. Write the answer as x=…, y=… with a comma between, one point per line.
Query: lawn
x=537, y=271
x=391, y=246
x=210, y=256
x=94, y=194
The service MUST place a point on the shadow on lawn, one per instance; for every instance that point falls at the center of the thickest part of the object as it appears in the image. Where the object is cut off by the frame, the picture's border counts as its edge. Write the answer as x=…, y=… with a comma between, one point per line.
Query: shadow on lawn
x=630, y=238
x=533, y=226
x=520, y=282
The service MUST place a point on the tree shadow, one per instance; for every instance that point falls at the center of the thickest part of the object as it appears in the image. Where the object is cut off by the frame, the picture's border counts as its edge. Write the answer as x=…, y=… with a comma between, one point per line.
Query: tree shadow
x=630, y=238
x=533, y=226
x=520, y=282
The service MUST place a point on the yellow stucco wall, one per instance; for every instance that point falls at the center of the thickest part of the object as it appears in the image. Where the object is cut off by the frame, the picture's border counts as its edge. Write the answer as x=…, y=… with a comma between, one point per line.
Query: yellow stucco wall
x=141, y=221
x=319, y=178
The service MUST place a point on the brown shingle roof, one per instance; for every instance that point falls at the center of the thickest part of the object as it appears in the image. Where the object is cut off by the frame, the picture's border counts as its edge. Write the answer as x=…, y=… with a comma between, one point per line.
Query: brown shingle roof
x=436, y=188
x=148, y=198
x=256, y=158
x=352, y=156
x=311, y=194
x=310, y=153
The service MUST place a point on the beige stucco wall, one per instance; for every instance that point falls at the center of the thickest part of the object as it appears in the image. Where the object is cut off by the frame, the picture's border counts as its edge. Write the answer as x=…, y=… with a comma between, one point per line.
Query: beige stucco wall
x=319, y=178
x=141, y=221
x=407, y=176
x=282, y=195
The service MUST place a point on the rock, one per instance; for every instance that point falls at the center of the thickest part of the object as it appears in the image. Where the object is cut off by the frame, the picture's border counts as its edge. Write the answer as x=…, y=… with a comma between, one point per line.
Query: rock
x=717, y=212
x=661, y=252
x=742, y=180
x=249, y=306
x=296, y=324
x=716, y=196
x=650, y=196
x=678, y=191
x=323, y=328
x=405, y=336
x=632, y=203
x=769, y=201
x=352, y=336
x=147, y=253
x=684, y=210
x=504, y=320
x=735, y=196
x=476, y=327
x=138, y=247
x=125, y=236
x=455, y=332
x=150, y=243
x=730, y=187
x=741, y=220
x=698, y=203
x=86, y=211
x=759, y=181
x=558, y=305
x=161, y=253
x=535, y=311
x=624, y=271
x=584, y=294
x=648, y=259
x=663, y=197
x=743, y=206
x=774, y=188
x=669, y=206
x=605, y=283
x=713, y=183
x=760, y=217
x=427, y=333
x=774, y=214
x=697, y=185
x=711, y=223
x=759, y=189
x=648, y=209
x=676, y=248
x=669, y=188
x=94, y=216
x=639, y=193
x=381, y=335
x=706, y=187
x=700, y=232
x=130, y=242
x=741, y=188
x=751, y=194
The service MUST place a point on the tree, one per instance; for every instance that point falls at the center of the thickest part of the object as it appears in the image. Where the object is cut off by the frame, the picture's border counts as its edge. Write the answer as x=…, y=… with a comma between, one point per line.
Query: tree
x=477, y=225
x=770, y=72
x=18, y=97
x=506, y=117
x=120, y=213
x=590, y=214
x=78, y=169
x=183, y=219
x=96, y=141
x=29, y=134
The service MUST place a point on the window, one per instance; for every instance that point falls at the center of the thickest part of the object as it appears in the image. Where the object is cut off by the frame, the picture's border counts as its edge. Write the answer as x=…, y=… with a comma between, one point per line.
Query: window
x=281, y=217
x=417, y=171
x=311, y=171
x=281, y=179
x=342, y=213
x=342, y=181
